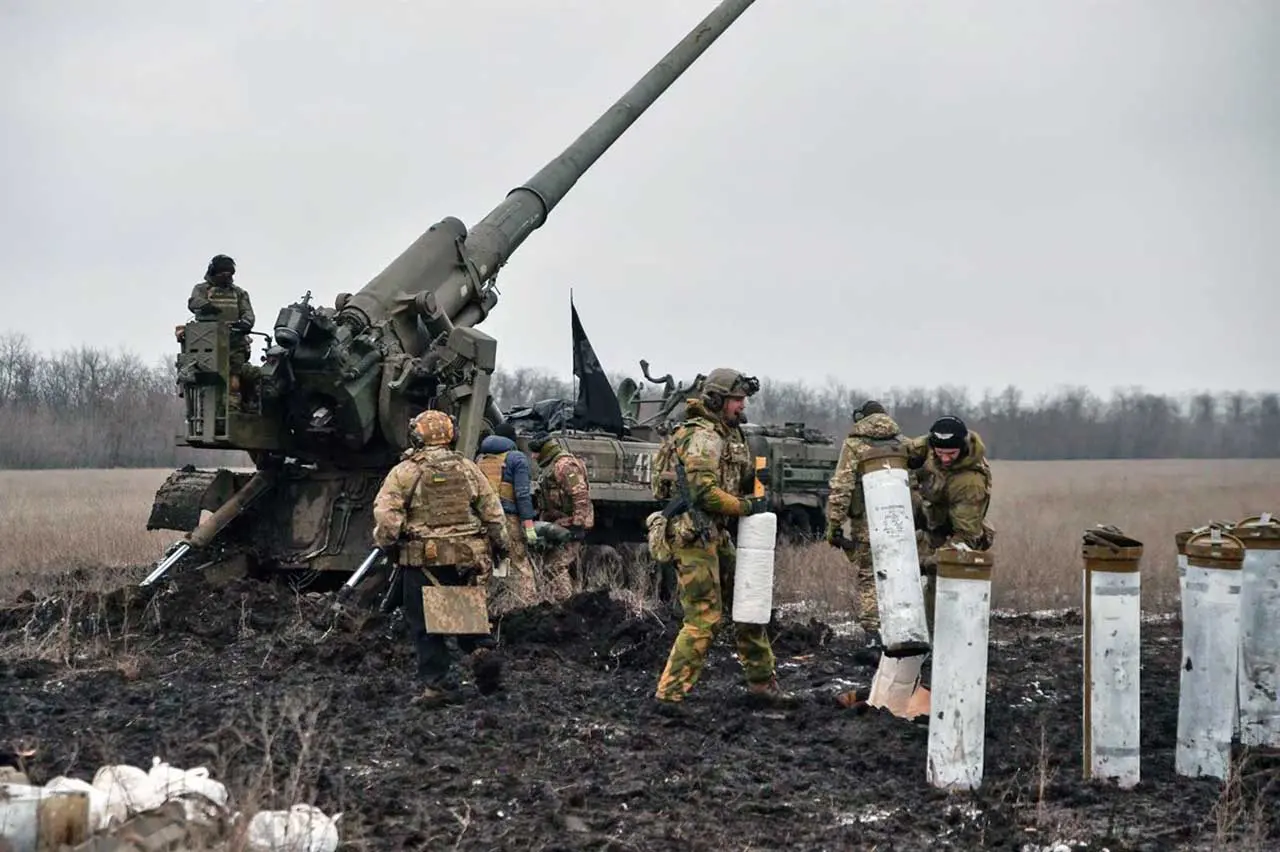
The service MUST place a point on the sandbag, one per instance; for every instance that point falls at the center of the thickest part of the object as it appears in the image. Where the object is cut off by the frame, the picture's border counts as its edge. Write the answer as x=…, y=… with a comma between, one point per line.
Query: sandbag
x=302, y=828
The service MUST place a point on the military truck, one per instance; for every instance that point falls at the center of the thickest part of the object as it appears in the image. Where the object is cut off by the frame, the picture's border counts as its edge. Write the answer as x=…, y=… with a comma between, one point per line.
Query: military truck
x=799, y=460
x=328, y=416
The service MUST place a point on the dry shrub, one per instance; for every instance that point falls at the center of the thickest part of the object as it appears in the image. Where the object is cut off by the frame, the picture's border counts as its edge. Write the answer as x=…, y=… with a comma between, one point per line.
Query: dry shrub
x=51, y=521
x=1041, y=509
x=816, y=575
x=60, y=520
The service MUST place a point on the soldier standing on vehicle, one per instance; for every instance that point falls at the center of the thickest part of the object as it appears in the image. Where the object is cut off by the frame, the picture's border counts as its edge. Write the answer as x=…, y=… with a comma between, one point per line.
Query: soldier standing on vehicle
x=872, y=428
x=507, y=470
x=566, y=502
x=955, y=486
x=710, y=465
x=439, y=513
x=217, y=298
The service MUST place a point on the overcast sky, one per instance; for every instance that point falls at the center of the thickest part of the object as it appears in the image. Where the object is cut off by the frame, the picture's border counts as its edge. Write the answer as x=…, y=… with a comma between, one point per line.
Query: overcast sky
x=892, y=193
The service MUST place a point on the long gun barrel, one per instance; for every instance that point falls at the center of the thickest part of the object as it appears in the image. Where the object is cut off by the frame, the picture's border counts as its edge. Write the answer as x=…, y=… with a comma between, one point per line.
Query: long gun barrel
x=438, y=258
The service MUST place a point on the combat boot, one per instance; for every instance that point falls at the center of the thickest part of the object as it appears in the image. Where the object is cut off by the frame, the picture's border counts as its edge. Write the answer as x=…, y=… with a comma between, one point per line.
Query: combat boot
x=769, y=692
x=431, y=697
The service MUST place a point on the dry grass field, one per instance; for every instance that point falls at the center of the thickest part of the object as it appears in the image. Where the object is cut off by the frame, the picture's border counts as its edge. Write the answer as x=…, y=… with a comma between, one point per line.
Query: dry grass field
x=51, y=521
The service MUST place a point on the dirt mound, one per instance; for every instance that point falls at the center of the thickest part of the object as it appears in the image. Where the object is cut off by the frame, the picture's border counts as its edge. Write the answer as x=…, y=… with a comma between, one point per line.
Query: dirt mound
x=286, y=701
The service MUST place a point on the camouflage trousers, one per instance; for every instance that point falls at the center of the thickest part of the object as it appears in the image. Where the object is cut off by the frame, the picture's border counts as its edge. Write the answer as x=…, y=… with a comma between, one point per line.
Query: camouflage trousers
x=247, y=377
x=520, y=580
x=860, y=559
x=556, y=577
x=705, y=575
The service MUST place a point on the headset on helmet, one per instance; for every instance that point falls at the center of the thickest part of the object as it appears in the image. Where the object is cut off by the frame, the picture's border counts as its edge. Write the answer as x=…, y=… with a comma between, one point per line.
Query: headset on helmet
x=220, y=263
x=723, y=383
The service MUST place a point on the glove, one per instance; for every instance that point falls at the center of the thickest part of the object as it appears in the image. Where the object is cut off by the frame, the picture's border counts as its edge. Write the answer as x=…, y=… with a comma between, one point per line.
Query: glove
x=754, y=505
x=835, y=537
x=530, y=536
x=241, y=326
x=578, y=532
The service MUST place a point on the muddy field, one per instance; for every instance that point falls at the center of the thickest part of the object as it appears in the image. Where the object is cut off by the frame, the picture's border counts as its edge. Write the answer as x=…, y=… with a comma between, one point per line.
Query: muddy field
x=285, y=705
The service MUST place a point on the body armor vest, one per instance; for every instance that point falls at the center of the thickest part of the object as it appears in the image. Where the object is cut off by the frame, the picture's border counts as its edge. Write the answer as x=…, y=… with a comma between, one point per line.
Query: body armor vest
x=491, y=465
x=442, y=501
x=226, y=300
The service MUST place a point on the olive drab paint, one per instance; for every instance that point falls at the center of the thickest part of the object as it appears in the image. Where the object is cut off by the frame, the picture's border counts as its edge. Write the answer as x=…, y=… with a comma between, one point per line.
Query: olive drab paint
x=339, y=383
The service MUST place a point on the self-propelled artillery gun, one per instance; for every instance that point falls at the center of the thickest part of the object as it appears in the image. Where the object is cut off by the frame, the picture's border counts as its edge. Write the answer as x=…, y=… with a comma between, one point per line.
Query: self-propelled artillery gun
x=328, y=415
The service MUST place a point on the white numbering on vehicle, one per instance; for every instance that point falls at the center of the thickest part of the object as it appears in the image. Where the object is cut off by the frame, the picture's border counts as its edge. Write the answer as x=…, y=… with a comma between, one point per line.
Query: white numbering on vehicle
x=642, y=467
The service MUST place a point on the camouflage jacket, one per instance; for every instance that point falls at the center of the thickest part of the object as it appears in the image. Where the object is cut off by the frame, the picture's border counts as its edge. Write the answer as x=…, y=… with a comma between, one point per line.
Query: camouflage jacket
x=716, y=461
x=212, y=302
x=566, y=490
x=436, y=494
x=956, y=498
x=871, y=432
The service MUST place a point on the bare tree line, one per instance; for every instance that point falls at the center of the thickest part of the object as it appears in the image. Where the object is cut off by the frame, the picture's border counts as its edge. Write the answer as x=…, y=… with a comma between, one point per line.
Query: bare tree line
x=1073, y=423
x=92, y=408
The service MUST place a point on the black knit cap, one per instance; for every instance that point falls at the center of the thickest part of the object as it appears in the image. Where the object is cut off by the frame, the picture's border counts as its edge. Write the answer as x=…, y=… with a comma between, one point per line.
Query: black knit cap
x=948, y=433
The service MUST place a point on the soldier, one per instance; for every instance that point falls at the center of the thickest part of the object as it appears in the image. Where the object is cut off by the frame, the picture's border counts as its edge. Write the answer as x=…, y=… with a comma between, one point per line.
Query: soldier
x=217, y=298
x=507, y=470
x=708, y=452
x=955, y=486
x=437, y=507
x=872, y=428
x=566, y=502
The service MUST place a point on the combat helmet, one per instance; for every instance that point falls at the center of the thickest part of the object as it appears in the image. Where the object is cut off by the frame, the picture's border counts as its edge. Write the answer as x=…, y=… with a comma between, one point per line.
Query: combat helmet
x=724, y=383
x=432, y=428
x=867, y=409
x=220, y=263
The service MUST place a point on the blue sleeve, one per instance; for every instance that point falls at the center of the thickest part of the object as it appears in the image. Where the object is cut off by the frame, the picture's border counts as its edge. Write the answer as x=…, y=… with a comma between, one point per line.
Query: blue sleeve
x=519, y=465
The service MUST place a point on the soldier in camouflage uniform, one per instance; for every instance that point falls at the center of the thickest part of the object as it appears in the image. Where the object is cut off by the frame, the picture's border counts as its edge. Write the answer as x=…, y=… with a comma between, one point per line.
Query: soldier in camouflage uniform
x=217, y=298
x=565, y=501
x=717, y=467
x=955, y=484
x=872, y=428
x=440, y=514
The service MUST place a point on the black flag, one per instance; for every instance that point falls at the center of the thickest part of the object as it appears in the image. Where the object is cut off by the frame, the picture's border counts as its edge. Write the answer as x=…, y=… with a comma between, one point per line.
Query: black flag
x=597, y=406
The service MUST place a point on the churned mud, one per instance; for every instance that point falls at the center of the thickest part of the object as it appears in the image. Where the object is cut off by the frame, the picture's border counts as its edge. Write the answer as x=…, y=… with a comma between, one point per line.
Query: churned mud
x=286, y=702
